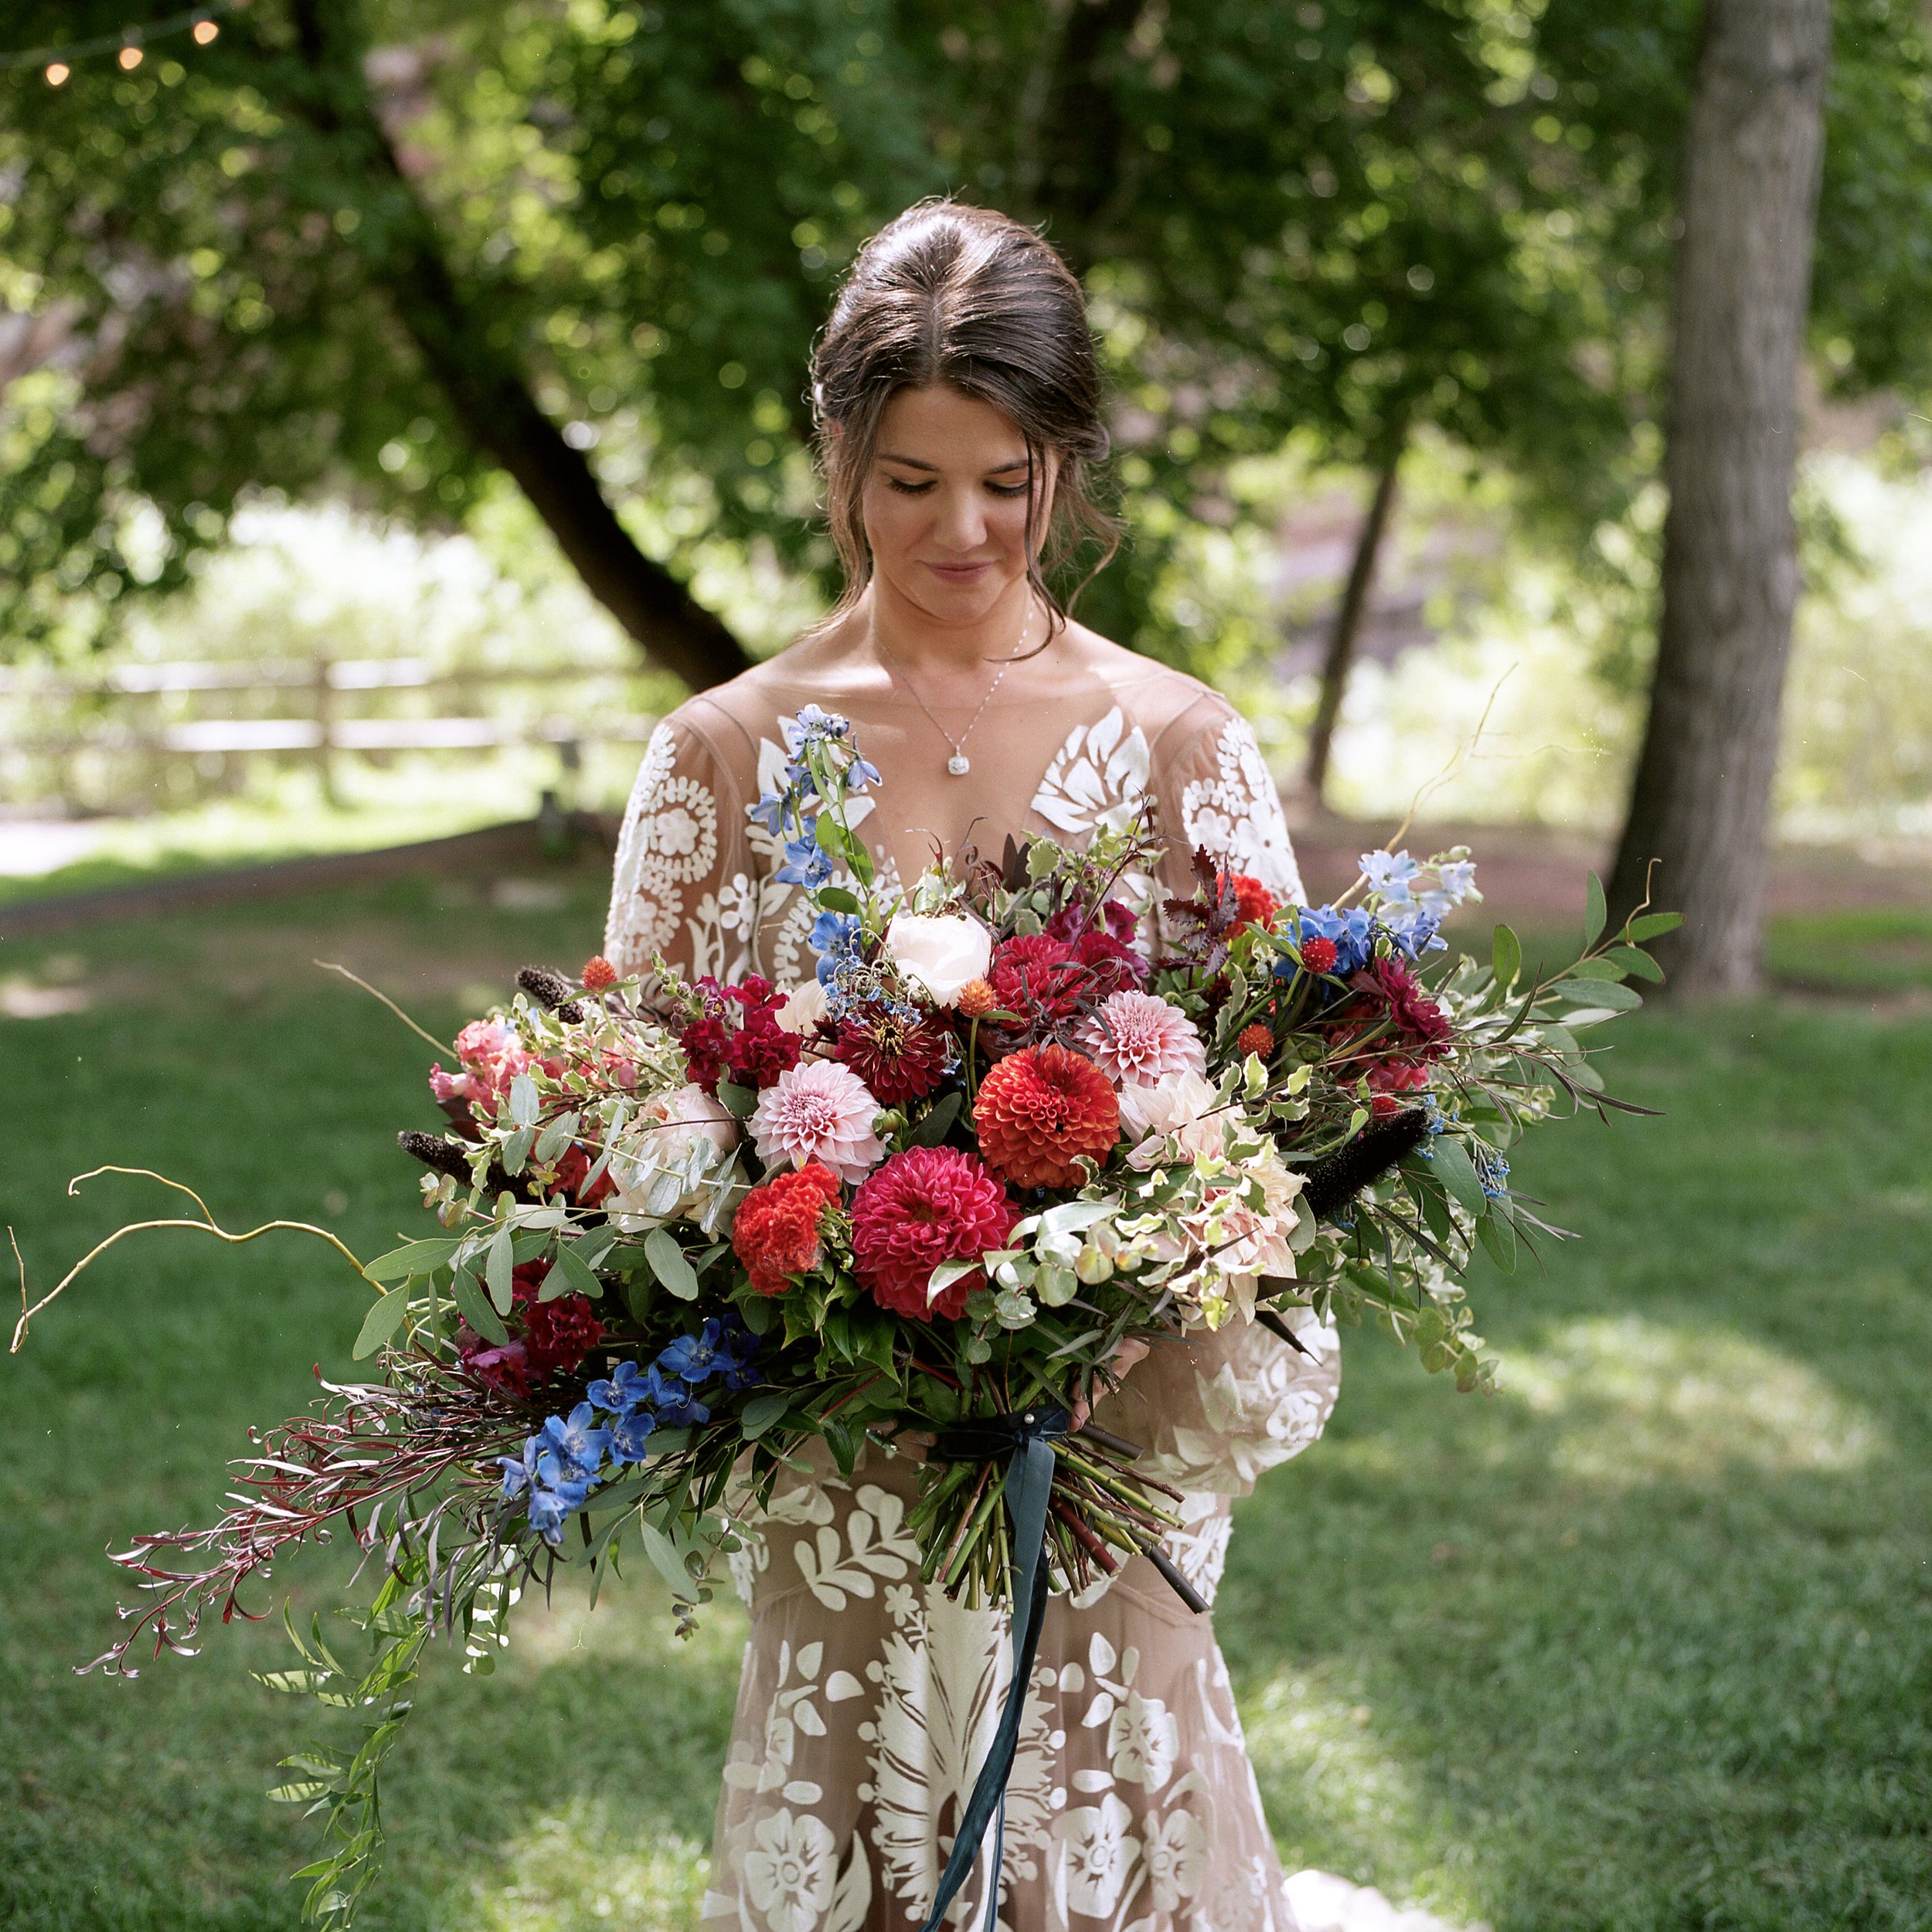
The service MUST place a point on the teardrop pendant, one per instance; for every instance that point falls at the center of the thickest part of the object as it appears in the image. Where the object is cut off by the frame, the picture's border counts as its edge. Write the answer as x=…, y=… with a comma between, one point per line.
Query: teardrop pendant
x=959, y=764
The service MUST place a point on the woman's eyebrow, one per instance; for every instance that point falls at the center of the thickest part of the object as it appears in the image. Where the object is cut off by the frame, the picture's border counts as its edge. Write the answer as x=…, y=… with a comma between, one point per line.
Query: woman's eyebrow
x=913, y=462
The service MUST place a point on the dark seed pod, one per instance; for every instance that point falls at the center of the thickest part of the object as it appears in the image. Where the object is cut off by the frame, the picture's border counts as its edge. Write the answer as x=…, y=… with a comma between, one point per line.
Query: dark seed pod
x=1331, y=1185
x=433, y=1151
x=552, y=989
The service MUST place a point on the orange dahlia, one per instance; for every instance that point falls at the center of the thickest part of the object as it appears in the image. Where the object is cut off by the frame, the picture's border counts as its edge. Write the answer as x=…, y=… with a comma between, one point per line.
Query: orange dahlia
x=1253, y=901
x=1040, y=1112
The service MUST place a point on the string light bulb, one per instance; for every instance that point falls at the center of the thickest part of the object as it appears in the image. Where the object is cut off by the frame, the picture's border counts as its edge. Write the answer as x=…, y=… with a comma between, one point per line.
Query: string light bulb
x=130, y=58
x=57, y=72
x=205, y=30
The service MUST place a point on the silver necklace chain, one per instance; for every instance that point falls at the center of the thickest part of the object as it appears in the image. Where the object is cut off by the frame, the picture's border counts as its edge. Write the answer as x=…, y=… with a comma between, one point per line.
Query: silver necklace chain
x=958, y=764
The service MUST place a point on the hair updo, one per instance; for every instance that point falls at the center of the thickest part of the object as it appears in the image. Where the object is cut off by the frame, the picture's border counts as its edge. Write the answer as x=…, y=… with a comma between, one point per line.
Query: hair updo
x=966, y=297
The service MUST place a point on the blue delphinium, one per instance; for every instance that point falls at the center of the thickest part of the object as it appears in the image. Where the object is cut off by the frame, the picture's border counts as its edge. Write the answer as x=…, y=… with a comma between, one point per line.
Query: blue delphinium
x=565, y=1460
x=805, y=864
x=1389, y=873
x=1351, y=933
x=835, y=938
x=1412, y=928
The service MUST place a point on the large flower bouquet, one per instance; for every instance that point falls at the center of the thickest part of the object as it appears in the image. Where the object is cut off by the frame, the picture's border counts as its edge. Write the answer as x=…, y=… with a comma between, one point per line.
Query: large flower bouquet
x=1026, y=1121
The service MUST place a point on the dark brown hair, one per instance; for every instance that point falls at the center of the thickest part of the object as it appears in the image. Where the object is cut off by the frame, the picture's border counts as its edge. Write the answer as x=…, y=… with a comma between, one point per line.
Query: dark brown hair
x=964, y=296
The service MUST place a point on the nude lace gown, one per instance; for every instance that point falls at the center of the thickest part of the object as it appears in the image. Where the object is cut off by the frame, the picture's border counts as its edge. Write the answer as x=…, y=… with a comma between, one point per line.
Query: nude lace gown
x=867, y=1701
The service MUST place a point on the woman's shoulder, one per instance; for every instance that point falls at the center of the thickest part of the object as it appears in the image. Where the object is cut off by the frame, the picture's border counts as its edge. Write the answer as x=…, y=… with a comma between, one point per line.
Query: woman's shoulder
x=1173, y=710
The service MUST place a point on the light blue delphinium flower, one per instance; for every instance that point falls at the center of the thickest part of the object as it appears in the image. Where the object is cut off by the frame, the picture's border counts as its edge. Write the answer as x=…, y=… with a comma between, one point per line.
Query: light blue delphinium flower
x=1459, y=879
x=1350, y=931
x=621, y=1391
x=519, y=1472
x=768, y=811
x=1389, y=873
x=805, y=863
x=835, y=938
x=577, y=1441
x=1413, y=930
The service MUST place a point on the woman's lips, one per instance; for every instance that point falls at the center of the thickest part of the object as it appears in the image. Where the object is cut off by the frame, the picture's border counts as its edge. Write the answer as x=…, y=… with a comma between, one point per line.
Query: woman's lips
x=959, y=572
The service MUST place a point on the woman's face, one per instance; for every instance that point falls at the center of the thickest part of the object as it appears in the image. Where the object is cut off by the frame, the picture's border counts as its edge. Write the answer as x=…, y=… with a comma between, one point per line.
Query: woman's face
x=945, y=503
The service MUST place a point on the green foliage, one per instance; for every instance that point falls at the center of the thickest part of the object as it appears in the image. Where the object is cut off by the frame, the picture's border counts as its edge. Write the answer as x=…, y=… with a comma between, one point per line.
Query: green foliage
x=1350, y=220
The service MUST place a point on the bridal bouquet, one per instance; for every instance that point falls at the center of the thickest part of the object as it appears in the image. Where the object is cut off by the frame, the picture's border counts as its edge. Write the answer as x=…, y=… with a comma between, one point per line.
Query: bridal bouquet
x=1024, y=1117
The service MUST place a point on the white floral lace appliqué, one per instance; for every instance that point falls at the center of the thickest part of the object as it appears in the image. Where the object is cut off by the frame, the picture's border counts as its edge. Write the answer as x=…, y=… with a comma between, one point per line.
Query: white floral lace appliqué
x=1236, y=814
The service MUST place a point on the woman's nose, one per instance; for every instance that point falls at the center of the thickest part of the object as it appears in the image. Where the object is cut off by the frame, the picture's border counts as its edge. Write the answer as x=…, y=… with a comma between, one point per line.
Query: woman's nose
x=962, y=521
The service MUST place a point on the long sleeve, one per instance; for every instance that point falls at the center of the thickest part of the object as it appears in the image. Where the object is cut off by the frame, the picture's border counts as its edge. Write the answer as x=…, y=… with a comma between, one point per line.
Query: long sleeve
x=685, y=884
x=1217, y=794
x=1217, y=1409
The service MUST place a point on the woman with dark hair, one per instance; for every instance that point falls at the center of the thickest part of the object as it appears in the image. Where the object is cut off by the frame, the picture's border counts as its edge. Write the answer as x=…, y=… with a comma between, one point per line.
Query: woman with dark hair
x=958, y=408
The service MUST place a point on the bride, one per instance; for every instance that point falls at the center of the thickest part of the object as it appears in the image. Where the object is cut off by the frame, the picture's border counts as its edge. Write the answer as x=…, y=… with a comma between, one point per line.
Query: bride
x=958, y=408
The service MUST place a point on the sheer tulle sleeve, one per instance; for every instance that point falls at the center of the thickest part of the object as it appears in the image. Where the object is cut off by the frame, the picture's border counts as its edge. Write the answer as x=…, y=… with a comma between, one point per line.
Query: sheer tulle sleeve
x=1216, y=1410
x=1217, y=794
x=685, y=885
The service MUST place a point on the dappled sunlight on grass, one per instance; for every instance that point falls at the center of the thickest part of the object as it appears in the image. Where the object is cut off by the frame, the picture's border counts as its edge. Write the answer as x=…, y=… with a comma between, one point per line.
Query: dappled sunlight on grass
x=1636, y=1400
x=578, y=1868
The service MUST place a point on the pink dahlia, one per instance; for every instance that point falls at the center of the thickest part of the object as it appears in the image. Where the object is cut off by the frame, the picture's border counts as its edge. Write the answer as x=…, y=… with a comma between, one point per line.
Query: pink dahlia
x=1136, y=1039
x=925, y=1206
x=818, y=1110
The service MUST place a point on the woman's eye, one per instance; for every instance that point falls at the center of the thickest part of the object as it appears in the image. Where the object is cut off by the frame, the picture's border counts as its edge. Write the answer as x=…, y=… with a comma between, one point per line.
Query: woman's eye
x=1008, y=489
x=908, y=489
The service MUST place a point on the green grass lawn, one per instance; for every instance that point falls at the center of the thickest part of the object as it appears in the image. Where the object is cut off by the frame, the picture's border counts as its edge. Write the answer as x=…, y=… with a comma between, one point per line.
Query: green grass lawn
x=1641, y=1644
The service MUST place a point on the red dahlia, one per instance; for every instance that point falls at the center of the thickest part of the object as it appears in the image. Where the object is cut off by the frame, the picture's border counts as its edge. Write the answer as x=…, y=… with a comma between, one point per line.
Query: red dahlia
x=899, y=1060
x=776, y=1230
x=1036, y=975
x=1423, y=1026
x=925, y=1206
x=1041, y=1112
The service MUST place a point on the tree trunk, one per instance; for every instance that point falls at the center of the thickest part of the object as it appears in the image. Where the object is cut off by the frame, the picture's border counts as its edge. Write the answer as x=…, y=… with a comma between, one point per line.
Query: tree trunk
x=1348, y=618
x=489, y=394
x=1749, y=200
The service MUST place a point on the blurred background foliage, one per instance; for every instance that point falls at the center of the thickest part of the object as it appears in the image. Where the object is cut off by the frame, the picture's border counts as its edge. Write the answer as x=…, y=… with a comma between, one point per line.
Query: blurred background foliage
x=337, y=256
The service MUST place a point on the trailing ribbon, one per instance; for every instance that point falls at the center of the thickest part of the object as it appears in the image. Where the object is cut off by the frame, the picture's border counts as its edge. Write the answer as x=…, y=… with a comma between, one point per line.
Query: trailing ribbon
x=1030, y=1483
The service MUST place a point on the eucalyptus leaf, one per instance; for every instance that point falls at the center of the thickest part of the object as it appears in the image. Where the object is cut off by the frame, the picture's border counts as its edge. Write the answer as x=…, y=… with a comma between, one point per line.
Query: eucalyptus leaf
x=474, y=1305
x=1634, y=959
x=516, y=1149
x=664, y=1559
x=569, y=1276
x=499, y=1258
x=1497, y=1234
x=555, y=1137
x=404, y=1263
x=1611, y=993
x=1652, y=924
x=668, y=1264
x=1506, y=955
x=523, y=1101
x=762, y=1411
x=384, y=1317
x=1596, y=914
x=1457, y=1172
x=738, y=1101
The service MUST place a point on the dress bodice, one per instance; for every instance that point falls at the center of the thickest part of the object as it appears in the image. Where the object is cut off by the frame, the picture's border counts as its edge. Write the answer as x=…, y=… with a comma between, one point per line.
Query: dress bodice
x=696, y=878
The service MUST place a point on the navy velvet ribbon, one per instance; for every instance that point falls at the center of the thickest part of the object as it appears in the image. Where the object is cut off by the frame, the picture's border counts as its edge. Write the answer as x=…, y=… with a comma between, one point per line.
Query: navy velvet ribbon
x=1029, y=1438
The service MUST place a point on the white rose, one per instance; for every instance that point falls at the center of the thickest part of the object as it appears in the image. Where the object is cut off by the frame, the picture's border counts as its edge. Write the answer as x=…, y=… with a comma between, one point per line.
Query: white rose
x=679, y=1141
x=1165, y=1105
x=942, y=954
x=804, y=1007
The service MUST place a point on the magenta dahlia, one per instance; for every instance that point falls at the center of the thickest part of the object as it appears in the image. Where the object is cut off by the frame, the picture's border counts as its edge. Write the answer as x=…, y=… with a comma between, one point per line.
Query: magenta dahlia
x=925, y=1206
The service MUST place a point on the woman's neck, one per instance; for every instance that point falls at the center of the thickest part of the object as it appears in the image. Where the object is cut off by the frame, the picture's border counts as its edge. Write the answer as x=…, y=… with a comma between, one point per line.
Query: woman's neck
x=913, y=641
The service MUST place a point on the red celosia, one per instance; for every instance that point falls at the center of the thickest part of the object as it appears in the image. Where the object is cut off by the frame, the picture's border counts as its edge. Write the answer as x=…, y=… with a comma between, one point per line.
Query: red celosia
x=704, y=1041
x=776, y=1231
x=927, y=1206
x=1256, y=903
x=898, y=1061
x=1256, y=1039
x=1041, y=1112
x=597, y=974
x=556, y=1336
x=1319, y=955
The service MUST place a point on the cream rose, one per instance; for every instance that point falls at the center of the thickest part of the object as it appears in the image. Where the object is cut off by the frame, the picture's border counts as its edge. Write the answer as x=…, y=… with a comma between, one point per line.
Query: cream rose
x=804, y=1007
x=940, y=954
x=679, y=1141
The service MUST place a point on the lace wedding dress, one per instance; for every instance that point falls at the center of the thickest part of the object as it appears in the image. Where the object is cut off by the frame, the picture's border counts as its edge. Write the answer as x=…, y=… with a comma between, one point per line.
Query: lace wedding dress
x=867, y=1701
